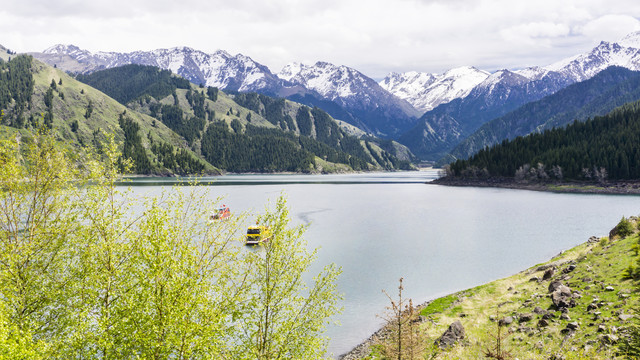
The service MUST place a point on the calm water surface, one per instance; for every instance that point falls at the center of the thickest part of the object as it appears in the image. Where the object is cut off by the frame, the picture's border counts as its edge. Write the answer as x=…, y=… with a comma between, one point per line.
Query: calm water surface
x=380, y=227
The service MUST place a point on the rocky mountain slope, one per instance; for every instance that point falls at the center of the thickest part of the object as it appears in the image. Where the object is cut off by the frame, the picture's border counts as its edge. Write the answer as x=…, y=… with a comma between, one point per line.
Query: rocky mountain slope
x=343, y=92
x=425, y=91
x=458, y=101
x=371, y=105
x=220, y=69
x=441, y=129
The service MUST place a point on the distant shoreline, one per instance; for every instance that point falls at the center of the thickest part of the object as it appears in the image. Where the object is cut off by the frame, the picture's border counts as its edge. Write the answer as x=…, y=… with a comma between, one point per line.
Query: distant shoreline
x=609, y=188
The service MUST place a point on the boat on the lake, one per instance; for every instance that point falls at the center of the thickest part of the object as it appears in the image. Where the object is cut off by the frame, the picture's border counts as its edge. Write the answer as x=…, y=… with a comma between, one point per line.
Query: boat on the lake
x=258, y=234
x=221, y=213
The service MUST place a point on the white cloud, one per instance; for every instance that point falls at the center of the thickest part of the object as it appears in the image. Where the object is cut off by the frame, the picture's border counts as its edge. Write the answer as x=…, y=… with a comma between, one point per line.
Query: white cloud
x=375, y=37
x=609, y=27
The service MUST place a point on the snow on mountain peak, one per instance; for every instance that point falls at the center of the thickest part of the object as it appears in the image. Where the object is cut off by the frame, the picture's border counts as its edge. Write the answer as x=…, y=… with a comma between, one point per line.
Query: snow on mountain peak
x=290, y=70
x=61, y=49
x=624, y=53
x=425, y=91
x=631, y=40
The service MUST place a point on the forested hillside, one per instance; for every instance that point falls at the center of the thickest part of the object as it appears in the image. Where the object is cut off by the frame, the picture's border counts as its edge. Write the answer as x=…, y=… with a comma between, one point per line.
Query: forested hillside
x=34, y=96
x=597, y=96
x=168, y=126
x=130, y=82
x=600, y=149
x=244, y=132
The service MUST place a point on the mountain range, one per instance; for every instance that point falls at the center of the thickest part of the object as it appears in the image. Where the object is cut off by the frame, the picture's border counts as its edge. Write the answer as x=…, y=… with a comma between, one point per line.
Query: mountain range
x=430, y=113
x=169, y=126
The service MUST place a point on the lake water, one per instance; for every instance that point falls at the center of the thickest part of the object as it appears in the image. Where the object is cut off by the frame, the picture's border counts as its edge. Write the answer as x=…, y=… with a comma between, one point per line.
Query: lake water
x=380, y=227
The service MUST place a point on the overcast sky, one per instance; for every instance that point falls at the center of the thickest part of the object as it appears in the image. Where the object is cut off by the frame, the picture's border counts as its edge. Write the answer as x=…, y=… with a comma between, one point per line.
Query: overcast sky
x=373, y=36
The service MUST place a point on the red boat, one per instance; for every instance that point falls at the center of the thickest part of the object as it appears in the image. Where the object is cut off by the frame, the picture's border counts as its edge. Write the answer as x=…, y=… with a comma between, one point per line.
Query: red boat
x=221, y=213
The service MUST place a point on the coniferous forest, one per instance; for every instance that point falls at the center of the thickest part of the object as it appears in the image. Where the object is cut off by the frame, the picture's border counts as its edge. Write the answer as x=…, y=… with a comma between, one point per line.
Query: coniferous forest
x=129, y=82
x=598, y=149
x=16, y=87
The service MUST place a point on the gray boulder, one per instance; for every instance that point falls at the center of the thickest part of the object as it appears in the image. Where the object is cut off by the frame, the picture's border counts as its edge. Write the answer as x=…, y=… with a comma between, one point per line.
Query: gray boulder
x=562, y=297
x=451, y=336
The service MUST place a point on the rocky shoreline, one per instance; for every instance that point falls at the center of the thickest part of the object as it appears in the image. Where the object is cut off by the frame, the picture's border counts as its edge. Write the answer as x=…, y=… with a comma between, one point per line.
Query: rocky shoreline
x=612, y=187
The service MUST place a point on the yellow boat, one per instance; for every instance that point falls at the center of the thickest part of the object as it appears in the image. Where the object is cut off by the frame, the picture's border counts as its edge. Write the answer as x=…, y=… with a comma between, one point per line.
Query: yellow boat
x=258, y=234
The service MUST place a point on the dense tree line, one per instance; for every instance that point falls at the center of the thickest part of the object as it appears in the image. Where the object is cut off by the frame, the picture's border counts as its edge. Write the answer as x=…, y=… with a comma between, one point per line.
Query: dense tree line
x=272, y=109
x=303, y=118
x=197, y=103
x=327, y=131
x=313, y=146
x=212, y=93
x=129, y=82
x=173, y=117
x=600, y=148
x=132, y=148
x=178, y=161
x=239, y=152
x=16, y=84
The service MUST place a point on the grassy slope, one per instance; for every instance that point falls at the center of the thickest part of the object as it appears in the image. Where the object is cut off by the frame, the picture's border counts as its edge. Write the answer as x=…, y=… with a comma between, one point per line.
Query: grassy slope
x=104, y=116
x=227, y=109
x=598, y=264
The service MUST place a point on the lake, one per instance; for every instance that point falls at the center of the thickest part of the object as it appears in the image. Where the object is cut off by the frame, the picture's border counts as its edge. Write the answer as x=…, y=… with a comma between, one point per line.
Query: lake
x=382, y=226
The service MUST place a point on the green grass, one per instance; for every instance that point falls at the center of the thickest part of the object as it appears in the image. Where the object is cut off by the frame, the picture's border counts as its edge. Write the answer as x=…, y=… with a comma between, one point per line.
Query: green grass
x=598, y=265
x=439, y=305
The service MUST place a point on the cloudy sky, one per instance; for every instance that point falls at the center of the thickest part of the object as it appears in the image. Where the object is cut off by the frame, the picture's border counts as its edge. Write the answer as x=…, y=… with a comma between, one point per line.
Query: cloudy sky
x=373, y=36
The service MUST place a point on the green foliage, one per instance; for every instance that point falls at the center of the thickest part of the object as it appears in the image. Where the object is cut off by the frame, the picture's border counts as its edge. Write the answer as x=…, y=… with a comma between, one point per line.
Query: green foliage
x=284, y=318
x=345, y=149
x=90, y=271
x=48, y=98
x=133, y=148
x=212, y=93
x=582, y=150
x=597, y=96
x=177, y=161
x=129, y=82
x=624, y=228
x=243, y=152
x=89, y=110
x=439, y=305
x=236, y=126
x=303, y=118
x=173, y=117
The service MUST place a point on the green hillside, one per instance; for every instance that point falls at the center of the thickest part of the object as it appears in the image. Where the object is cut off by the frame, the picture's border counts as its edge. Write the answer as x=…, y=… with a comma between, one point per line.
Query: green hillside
x=245, y=132
x=80, y=115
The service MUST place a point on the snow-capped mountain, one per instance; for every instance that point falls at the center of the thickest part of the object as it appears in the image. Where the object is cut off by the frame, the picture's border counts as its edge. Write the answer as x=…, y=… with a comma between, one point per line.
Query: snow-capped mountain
x=438, y=131
x=624, y=53
x=426, y=91
x=352, y=90
x=343, y=92
x=220, y=69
